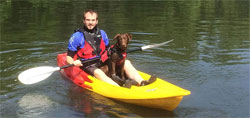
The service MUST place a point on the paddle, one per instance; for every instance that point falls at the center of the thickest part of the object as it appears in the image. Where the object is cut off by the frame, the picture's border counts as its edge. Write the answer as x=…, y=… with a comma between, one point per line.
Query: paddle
x=38, y=74
x=149, y=46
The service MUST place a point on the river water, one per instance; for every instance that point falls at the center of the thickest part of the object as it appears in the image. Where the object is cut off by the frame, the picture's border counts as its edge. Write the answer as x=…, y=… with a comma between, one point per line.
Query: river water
x=209, y=55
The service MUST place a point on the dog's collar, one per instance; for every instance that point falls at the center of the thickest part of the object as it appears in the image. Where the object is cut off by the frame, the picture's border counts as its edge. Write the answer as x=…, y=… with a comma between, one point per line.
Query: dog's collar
x=114, y=49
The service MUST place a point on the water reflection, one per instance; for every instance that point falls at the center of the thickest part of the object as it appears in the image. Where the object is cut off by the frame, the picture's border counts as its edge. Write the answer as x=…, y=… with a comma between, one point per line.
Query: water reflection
x=34, y=105
x=92, y=104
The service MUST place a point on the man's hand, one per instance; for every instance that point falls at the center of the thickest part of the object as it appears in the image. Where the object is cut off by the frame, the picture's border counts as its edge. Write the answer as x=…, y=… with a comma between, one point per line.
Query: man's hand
x=77, y=63
x=70, y=60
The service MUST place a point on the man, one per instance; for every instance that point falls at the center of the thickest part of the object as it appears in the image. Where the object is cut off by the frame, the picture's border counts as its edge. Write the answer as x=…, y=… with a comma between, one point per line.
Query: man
x=89, y=43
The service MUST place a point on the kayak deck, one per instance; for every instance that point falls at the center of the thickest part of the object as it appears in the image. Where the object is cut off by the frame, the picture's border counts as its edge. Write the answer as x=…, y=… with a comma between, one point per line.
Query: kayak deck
x=159, y=94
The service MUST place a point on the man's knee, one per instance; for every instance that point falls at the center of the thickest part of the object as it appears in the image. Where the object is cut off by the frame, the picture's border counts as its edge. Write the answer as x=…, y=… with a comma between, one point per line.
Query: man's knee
x=127, y=62
x=98, y=72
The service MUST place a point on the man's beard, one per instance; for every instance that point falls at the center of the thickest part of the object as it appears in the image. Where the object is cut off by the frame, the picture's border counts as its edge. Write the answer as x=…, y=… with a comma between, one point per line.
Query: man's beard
x=90, y=31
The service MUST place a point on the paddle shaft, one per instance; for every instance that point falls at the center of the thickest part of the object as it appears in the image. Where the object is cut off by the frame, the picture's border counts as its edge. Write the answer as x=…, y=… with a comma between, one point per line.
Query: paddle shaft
x=149, y=46
x=66, y=66
x=90, y=60
x=83, y=62
x=128, y=51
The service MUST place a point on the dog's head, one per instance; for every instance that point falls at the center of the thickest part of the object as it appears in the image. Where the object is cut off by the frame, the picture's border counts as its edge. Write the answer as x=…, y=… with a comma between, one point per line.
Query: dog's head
x=122, y=40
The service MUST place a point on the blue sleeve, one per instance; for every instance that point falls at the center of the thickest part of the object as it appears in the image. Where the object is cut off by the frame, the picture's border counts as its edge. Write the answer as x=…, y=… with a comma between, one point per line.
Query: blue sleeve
x=76, y=41
x=105, y=37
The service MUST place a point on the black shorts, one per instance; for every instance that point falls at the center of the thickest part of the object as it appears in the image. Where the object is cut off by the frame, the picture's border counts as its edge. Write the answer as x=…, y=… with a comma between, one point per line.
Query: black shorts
x=90, y=68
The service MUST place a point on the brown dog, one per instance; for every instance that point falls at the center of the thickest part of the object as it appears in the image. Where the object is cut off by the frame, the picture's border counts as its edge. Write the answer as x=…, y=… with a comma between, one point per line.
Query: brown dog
x=118, y=57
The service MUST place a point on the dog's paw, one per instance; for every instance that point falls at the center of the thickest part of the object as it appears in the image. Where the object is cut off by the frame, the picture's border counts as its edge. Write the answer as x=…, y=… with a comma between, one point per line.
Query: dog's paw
x=149, y=81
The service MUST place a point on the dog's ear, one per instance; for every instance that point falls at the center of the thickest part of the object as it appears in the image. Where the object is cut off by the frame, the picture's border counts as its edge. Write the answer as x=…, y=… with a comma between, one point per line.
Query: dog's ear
x=129, y=36
x=116, y=36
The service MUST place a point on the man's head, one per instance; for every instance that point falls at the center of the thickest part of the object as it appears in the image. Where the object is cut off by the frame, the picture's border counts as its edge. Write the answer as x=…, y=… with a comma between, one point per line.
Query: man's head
x=90, y=19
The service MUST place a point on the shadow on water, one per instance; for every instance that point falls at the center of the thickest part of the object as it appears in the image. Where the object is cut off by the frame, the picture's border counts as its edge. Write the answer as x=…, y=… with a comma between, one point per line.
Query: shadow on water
x=92, y=104
x=77, y=102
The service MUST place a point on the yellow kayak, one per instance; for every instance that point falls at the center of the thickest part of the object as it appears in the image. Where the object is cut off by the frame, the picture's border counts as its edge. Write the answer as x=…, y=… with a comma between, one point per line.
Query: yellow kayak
x=159, y=94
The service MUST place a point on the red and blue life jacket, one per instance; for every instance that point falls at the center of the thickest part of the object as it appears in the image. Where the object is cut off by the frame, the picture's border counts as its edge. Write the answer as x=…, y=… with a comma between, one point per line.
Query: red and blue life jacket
x=94, y=46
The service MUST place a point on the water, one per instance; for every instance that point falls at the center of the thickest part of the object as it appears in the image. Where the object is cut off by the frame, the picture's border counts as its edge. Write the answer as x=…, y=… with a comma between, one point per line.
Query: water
x=209, y=55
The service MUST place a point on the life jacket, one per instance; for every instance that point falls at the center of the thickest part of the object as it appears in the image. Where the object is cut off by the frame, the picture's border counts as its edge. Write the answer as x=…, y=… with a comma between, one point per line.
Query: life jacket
x=94, y=46
x=122, y=54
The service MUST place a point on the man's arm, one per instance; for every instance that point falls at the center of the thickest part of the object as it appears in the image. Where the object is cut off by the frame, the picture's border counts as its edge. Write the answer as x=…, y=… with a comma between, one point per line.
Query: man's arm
x=70, y=60
x=105, y=38
x=74, y=42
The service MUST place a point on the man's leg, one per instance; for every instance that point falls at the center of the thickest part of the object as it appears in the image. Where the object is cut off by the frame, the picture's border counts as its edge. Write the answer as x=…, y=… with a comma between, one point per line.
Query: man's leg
x=131, y=72
x=98, y=73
